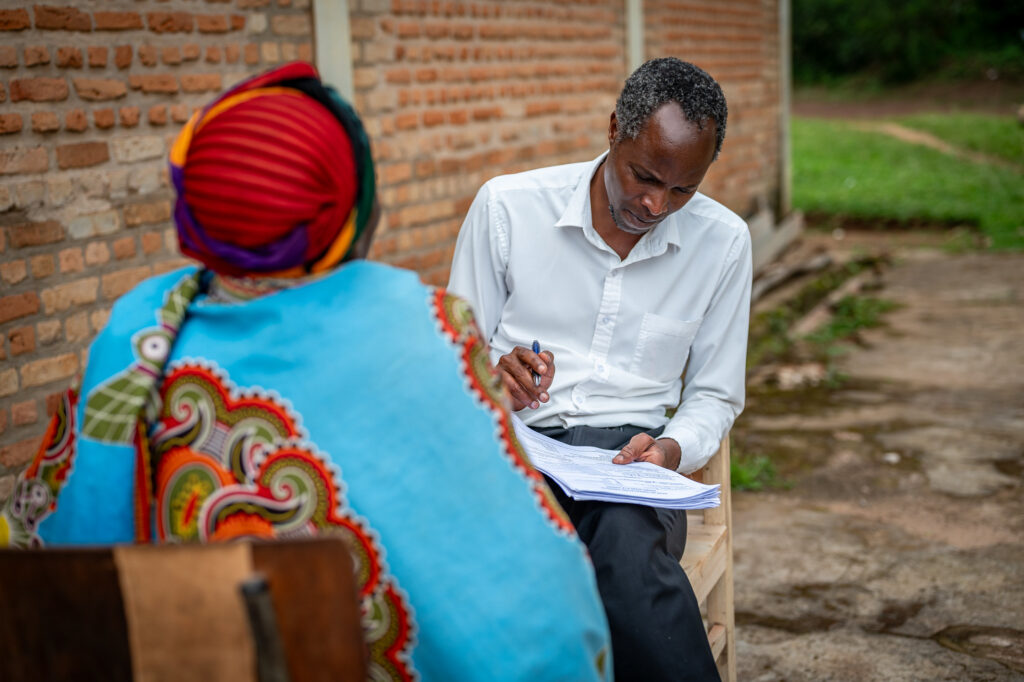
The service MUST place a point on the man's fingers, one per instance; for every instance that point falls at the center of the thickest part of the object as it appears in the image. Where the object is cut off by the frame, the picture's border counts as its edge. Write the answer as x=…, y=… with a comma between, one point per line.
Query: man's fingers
x=518, y=377
x=635, y=449
x=520, y=398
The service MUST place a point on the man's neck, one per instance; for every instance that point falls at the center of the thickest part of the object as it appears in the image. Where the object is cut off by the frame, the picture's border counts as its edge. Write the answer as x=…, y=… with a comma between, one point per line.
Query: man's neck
x=621, y=242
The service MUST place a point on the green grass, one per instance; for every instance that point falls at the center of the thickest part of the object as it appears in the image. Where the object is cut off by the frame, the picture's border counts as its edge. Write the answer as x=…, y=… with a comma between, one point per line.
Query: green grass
x=843, y=171
x=753, y=472
x=851, y=314
x=999, y=136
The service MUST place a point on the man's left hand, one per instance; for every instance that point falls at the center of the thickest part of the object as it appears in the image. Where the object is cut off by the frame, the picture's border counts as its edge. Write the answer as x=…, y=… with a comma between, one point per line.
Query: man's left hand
x=664, y=452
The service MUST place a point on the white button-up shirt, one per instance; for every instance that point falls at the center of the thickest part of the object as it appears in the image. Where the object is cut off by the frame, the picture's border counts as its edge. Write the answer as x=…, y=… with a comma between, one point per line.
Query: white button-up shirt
x=622, y=331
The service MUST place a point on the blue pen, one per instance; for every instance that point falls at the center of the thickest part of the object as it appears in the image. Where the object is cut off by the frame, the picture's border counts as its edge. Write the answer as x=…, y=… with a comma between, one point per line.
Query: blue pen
x=536, y=349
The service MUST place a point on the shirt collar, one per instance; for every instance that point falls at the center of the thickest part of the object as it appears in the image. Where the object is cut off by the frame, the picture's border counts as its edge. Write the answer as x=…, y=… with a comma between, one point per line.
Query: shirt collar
x=577, y=214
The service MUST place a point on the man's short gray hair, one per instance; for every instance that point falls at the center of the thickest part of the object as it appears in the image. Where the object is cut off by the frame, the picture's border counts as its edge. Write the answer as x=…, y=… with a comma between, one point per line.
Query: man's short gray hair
x=664, y=80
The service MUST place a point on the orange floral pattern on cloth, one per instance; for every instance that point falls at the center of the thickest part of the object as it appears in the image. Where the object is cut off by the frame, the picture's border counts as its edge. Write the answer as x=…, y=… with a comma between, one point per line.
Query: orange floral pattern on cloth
x=232, y=463
x=459, y=326
x=35, y=494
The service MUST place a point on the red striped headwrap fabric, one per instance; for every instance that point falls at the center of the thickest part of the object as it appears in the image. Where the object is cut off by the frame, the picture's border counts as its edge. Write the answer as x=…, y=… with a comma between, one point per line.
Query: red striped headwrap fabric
x=274, y=177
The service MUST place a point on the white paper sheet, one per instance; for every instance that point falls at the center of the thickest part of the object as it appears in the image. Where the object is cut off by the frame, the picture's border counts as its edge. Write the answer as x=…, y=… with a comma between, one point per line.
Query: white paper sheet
x=587, y=473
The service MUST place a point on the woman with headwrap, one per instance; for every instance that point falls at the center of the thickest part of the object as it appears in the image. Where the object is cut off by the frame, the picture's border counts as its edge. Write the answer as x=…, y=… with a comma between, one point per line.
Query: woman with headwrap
x=284, y=389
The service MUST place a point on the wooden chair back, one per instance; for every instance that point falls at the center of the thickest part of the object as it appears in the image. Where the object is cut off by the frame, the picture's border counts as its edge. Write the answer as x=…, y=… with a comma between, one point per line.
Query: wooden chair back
x=64, y=614
x=708, y=563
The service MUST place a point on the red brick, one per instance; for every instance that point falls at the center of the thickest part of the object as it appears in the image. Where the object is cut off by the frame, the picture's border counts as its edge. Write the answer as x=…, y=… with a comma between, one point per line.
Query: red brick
x=232, y=52
x=22, y=340
x=48, y=370
x=20, y=453
x=142, y=214
x=70, y=260
x=10, y=123
x=213, y=54
x=291, y=25
x=99, y=89
x=76, y=328
x=53, y=403
x=3, y=413
x=117, y=283
x=8, y=382
x=31, y=160
x=43, y=266
x=103, y=118
x=246, y=4
x=82, y=154
x=71, y=294
x=124, y=248
x=36, y=55
x=147, y=55
x=18, y=305
x=35, y=234
x=69, y=57
x=212, y=23
x=193, y=82
x=169, y=22
x=39, y=89
x=433, y=118
x=123, y=56
x=75, y=121
x=14, y=20
x=117, y=21
x=152, y=242
x=129, y=116
x=157, y=115
x=45, y=122
x=190, y=52
x=237, y=22
x=13, y=272
x=61, y=18
x=8, y=57
x=305, y=52
x=24, y=413
x=252, y=54
x=171, y=55
x=96, y=253
x=179, y=113
x=154, y=83
x=97, y=57
x=406, y=121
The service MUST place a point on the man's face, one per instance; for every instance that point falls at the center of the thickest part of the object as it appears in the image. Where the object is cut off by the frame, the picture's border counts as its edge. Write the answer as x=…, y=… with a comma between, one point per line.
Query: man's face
x=653, y=176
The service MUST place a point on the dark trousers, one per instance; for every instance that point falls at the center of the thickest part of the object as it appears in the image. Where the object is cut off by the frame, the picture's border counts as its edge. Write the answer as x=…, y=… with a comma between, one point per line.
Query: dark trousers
x=657, y=633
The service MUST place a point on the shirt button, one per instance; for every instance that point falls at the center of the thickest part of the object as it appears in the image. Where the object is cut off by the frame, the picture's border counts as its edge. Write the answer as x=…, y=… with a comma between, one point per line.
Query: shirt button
x=605, y=319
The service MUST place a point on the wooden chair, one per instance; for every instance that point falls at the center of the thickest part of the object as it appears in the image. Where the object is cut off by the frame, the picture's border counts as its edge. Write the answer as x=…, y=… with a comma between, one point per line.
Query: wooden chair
x=73, y=614
x=708, y=563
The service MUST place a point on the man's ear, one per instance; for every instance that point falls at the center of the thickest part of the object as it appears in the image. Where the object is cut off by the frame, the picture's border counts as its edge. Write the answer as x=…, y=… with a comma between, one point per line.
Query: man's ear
x=613, y=130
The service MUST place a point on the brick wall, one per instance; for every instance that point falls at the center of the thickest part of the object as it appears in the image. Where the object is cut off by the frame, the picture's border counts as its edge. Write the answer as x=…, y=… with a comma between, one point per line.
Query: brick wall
x=736, y=41
x=452, y=93
x=91, y=96
x=456, y=93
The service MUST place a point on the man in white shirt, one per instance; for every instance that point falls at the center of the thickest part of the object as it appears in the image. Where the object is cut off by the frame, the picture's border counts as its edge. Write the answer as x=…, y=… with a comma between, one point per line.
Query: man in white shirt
x=627, y=276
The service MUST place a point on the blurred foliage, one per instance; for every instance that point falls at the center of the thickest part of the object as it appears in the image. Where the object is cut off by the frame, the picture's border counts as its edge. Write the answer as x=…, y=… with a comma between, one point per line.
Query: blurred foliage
x=841, y=170
x=998, y=136
x=753, y=472
x=907, y=40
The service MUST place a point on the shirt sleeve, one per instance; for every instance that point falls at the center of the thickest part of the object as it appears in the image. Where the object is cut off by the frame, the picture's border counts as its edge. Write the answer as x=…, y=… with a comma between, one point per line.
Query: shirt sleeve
x=713, y=394
x=480, y=262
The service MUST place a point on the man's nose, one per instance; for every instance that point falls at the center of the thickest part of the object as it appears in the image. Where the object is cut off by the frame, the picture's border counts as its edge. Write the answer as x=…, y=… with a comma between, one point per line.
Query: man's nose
x=656, y=202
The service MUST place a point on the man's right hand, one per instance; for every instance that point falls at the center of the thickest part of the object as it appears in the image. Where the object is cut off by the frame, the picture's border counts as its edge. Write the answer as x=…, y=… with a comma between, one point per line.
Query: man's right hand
x=517, y=369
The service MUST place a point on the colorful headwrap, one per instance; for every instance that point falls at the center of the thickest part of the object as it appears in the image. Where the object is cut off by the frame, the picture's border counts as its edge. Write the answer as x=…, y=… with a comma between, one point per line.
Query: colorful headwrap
x=274, y=177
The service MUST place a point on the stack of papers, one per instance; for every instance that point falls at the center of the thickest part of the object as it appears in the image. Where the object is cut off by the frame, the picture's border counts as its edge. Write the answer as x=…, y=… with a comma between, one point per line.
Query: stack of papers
x=587, y=473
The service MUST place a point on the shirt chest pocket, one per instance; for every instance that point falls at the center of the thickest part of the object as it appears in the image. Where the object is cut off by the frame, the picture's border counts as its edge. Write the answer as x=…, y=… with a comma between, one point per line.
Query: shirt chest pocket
x=663, y=346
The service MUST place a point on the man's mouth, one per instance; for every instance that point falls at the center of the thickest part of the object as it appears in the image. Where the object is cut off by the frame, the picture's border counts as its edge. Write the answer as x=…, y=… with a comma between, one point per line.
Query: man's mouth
x=640, y=222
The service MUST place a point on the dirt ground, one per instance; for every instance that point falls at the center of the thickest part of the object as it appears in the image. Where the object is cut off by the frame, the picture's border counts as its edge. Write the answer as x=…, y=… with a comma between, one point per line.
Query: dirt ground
x=897, y=552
